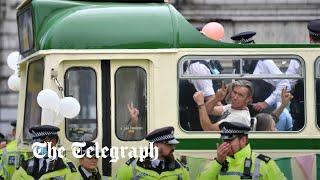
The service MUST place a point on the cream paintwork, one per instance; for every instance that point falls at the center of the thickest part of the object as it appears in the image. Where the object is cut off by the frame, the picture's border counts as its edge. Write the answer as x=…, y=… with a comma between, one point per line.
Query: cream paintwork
x=161, y=69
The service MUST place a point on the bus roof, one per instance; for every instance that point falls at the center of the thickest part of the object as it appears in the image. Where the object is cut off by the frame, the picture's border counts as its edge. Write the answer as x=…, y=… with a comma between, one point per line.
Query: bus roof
x=70, y=24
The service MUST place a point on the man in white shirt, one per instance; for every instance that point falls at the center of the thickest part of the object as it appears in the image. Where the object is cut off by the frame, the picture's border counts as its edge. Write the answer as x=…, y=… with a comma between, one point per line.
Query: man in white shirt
x=204, y=85
x=237, y=111
x=264, y=67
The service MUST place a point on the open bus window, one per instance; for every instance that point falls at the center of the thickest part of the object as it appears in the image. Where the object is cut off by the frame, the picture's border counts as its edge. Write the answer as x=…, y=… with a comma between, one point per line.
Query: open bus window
x=32, y=116
x=131, y=103
x=268, y=75
x=81, y=83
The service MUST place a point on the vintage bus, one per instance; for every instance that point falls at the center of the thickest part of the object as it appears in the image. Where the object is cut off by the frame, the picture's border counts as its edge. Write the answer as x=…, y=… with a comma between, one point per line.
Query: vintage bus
x=109, y=53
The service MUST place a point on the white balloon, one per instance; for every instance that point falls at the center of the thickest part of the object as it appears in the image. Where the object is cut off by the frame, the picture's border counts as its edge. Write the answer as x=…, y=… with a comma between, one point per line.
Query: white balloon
x=48, y=99
x=13, y=59
x=14, y=82
x=69, y=107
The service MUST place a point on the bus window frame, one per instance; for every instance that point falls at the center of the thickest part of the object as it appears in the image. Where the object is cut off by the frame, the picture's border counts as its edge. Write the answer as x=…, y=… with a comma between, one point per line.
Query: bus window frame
x=115, y=103
x=239, y=76
x=96, y=97
x=316, y=77
x=20, y=13
x=26, y=93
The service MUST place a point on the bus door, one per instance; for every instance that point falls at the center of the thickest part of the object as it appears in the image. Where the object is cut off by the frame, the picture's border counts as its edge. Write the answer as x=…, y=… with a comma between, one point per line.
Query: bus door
x=129, y=97
x=82, y=80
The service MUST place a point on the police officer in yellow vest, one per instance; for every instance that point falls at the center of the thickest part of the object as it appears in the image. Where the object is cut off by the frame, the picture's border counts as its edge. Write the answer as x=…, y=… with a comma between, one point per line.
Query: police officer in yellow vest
x=11, y=156
x=3, y=173
x=45, y=168
x=235, y=159
x=88, y=169
x=164, y=167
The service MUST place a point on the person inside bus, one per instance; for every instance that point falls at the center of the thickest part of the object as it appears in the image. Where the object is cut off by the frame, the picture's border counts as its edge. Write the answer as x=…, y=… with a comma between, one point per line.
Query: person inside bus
x=236, y=160
x=273, y=121
x=267, y=91
x=134, y=127
x=88, y=168
x=241, y=96
x=188, y=109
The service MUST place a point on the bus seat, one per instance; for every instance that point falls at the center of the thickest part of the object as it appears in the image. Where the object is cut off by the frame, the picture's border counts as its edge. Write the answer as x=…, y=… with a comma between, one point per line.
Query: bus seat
x=253, y=123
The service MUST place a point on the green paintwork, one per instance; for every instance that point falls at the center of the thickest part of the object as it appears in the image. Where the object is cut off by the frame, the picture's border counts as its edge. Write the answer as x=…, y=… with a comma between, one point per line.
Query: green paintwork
x=112, y=25
x=274, y=144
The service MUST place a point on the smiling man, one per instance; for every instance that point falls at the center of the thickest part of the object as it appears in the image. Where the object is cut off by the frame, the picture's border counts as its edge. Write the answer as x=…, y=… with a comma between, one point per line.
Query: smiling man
x=241, y=96
x=235, y=159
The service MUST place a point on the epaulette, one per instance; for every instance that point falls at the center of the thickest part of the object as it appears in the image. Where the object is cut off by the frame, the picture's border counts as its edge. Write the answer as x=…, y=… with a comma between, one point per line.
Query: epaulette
x=130, y=161
x=264, y=158
x=71, y=167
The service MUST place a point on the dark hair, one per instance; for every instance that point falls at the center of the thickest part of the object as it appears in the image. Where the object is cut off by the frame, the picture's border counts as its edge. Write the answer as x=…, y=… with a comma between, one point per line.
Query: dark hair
x=263, y=122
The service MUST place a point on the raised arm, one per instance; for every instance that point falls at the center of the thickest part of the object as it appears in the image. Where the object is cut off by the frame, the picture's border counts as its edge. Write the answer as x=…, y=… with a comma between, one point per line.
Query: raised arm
x=203, y=115
x=285, y=99
x=134, y=113
x=216, y=101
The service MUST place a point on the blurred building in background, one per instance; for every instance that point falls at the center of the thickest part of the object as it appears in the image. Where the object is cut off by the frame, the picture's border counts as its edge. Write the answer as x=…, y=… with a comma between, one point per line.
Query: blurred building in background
x=275, y=21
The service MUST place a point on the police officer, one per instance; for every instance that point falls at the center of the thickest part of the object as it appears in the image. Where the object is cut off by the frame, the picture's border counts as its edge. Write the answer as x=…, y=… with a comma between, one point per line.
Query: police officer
x=11, y=157
x=165, y=167
x=3, y=172
x=45, y=168
x=267, y=91
x=235, y=159
x=88, y=169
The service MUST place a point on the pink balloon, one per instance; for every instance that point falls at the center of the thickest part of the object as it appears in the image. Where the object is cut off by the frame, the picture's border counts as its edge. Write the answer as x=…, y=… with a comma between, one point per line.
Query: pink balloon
x=213, y=30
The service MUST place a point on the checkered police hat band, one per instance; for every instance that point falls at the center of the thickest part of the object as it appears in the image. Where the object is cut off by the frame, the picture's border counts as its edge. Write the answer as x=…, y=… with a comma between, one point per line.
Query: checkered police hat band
x=40, y=134
x=245, y=41
x=166, y=137
x=314, y=33
x=232, y=131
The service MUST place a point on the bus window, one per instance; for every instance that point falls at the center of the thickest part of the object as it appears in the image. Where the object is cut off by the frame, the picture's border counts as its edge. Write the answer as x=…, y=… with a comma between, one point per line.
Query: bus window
x=81, y=83
x=268, y=75
x=32, y=114
x=317, y=83
x=131, y=103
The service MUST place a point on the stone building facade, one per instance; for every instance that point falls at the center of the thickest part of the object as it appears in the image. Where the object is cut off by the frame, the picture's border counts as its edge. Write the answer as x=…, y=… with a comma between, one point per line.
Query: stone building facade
x=8, y=43
x=275, y=21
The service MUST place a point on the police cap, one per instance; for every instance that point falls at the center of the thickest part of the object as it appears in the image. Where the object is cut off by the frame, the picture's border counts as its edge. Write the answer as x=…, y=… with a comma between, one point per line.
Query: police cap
x=164, y=134
x=314, y=27
x=231, y=130
x=39, y=133
x=244, y=37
